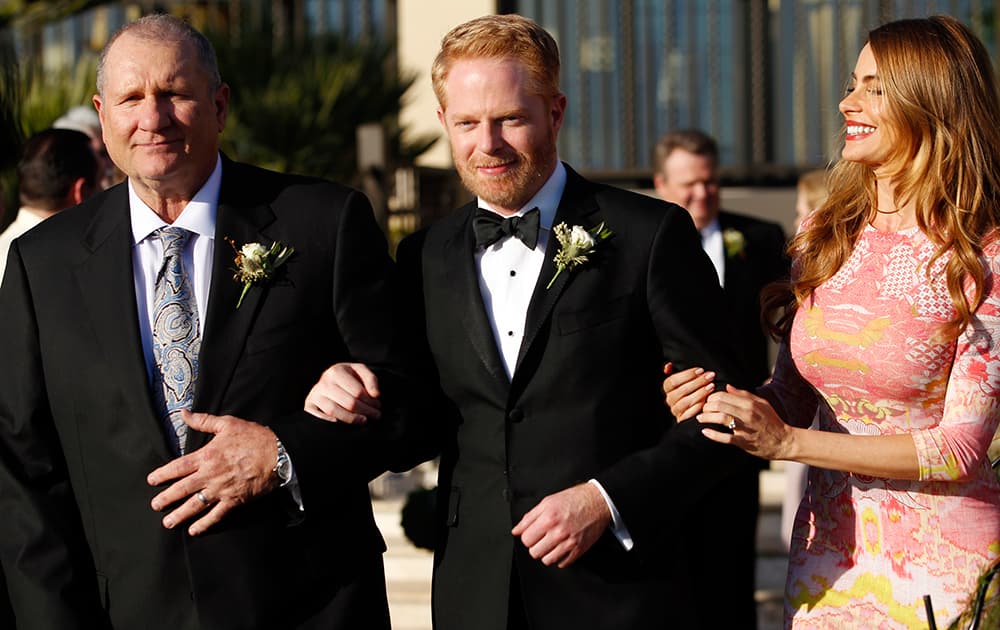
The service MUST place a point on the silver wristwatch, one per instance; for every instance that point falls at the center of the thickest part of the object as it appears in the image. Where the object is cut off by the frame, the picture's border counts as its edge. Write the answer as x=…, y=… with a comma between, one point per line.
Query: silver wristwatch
x=283, y=465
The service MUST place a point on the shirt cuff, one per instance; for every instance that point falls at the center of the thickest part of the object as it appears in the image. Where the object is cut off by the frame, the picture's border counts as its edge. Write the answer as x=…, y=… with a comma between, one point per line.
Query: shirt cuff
x=617, y=524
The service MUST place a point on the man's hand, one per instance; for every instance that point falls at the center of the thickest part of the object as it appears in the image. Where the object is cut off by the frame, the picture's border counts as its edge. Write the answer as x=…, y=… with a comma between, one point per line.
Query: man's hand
x=564, y=525
x=235, y=466
x=346, y=392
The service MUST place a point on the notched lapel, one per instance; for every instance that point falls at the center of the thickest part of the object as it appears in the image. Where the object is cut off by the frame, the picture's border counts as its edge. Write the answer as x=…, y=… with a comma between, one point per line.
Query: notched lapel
x=460, y=263
x=107, y=290
x=226, y=327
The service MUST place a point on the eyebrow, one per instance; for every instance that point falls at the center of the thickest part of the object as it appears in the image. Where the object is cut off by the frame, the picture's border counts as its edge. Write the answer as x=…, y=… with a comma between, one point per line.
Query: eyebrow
x=866, y=78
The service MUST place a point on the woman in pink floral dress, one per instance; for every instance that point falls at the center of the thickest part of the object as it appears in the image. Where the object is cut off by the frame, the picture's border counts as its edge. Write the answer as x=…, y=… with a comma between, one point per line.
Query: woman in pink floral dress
x=894, y=335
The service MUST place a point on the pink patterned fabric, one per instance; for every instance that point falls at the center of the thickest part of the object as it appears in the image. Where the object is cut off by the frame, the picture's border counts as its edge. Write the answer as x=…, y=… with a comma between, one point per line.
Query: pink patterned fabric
x=866, y=550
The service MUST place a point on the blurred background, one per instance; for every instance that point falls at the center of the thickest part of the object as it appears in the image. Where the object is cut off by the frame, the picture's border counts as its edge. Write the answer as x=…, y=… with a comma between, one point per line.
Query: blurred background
x=340, y=88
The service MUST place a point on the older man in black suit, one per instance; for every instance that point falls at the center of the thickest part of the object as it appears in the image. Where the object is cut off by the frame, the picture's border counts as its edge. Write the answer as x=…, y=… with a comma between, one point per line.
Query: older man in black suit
x=126, y=510
x=548, y=307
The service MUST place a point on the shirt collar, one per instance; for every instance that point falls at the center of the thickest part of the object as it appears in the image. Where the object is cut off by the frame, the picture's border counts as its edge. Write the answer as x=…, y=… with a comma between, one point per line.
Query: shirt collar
x=546, y=199
x=198, y=215
x=710, y=229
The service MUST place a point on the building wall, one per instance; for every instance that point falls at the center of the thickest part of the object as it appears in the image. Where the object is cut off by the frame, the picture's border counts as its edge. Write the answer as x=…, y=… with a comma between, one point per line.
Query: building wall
x=762, y=76
x=420, y=26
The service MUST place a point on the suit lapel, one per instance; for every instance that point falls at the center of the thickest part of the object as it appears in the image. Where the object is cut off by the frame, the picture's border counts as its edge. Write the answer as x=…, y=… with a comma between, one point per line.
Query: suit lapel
x=226, y=327
x=107, y=290
x=459, y=260
x=575, y=208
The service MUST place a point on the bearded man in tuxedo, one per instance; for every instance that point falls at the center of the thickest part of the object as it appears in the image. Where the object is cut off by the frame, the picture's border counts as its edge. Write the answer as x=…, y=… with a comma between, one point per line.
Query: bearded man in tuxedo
x=547, y=308
x=122, y=315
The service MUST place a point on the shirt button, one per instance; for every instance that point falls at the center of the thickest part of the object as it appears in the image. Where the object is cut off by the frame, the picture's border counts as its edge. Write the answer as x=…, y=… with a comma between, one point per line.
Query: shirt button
x=512, y=273
x=510, y=333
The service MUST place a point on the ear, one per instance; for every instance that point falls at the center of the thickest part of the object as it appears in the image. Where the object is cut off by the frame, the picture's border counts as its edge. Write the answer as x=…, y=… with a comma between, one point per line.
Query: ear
x=78, y=191
x=222, y=105
x=100, y=111
x=440, y=115
x=557, y=111
x=660, y=184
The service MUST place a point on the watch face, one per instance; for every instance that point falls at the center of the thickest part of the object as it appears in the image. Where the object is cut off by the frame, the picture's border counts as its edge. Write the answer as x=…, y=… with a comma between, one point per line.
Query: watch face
x=283, y=467
x=284, y=470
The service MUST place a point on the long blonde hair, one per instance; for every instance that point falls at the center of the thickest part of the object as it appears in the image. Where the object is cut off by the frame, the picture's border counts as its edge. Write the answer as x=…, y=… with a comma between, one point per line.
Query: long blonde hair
x=940, y=90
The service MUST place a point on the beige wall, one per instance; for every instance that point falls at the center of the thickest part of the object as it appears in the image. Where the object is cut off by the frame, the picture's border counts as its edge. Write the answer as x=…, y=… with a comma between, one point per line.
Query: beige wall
x=421, y=25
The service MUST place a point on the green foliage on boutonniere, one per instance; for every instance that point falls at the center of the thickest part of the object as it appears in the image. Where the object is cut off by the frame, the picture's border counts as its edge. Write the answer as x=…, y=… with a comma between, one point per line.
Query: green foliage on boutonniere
x=576, y=244
x=734, y=242
x=256, y=264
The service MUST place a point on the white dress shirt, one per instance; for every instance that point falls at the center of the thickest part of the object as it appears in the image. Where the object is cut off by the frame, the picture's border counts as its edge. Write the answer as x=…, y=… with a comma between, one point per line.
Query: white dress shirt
x=712, y=243
x=198, y=217
x=508, y=273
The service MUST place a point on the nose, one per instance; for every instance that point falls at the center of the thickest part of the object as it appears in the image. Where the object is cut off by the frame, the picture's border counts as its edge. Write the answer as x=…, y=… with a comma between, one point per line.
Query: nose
x=153, y=114
x=490, y=138
x=850, y=103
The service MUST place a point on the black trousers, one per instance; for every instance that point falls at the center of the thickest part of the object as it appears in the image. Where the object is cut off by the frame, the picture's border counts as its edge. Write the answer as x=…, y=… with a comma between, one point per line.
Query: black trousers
x=517, y=616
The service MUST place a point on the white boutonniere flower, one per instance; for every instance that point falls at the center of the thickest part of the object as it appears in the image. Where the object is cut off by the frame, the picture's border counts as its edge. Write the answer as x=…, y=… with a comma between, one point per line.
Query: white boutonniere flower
x=575, y=244
x=256, y=264
x=734, y=241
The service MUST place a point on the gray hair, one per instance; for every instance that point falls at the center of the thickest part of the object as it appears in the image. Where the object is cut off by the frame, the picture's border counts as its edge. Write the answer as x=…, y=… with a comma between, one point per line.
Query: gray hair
x=167, y=28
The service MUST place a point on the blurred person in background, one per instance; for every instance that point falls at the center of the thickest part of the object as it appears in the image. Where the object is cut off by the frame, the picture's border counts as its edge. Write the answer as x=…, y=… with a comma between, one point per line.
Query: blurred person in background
x=811, y=193
x=891, y=325
x=84, y=118
x=748, y=254
x=58, y=170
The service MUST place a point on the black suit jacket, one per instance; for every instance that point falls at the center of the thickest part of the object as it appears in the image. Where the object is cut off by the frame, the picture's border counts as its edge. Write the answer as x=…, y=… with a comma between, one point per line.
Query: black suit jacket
x=585, y=401
x=79, y=433
x=761, y=262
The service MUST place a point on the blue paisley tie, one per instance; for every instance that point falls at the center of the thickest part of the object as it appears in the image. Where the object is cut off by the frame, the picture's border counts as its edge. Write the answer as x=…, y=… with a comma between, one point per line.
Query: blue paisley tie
x=175, y=336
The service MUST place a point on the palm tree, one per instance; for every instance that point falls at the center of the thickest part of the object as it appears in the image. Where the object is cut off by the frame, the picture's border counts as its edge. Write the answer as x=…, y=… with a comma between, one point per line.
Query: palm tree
x=10, y=128
x=298, y=109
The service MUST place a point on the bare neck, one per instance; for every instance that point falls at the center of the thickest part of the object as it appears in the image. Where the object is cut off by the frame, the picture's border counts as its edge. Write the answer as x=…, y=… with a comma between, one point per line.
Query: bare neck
x=166, y=203
x=41, y=213
x=888, y=215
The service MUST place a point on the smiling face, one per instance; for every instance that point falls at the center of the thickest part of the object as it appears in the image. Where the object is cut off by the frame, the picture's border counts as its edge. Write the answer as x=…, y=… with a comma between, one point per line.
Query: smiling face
x=868, y=139
x=503, y=138
x=161, y=115
x=691, y=181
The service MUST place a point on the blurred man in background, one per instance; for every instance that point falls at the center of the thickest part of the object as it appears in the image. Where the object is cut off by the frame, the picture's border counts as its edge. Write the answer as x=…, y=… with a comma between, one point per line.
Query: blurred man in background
x=84, y=119
x=58, y=170
x=747, y=254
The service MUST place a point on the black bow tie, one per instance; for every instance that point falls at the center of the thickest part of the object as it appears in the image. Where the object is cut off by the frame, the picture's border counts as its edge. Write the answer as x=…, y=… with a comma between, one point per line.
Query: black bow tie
x=490, y=227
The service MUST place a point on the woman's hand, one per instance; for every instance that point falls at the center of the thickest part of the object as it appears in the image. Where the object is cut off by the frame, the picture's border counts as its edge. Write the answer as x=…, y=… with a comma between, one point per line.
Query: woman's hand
x=345, y=392
x=755, y=426
x=687, y=391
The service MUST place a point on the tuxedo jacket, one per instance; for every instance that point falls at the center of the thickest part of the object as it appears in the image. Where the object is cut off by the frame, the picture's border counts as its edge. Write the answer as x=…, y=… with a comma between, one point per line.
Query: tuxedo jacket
x=761, y=262
x=584, y=401
x=79, y=433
